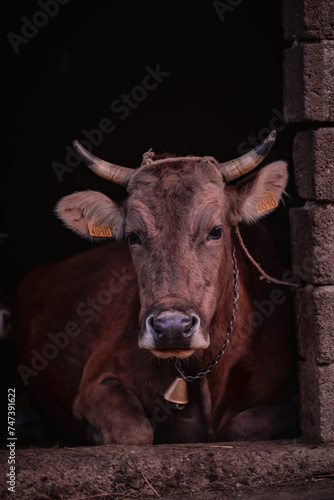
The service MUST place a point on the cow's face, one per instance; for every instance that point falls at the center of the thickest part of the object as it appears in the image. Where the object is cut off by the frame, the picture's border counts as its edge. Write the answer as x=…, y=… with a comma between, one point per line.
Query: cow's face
x=178, y=233
x=177, y=220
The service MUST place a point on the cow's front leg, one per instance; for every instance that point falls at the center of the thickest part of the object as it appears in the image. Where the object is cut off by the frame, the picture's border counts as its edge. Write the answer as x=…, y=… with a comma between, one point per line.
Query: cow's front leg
x=113, y=411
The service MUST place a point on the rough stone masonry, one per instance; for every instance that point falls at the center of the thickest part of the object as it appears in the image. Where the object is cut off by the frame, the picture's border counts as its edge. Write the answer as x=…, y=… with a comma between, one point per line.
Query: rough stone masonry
x=309, y=102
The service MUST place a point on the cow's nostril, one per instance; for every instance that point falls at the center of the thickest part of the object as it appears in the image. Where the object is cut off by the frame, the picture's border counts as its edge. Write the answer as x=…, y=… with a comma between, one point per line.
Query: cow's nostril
x=188, y=330
x=156, y=326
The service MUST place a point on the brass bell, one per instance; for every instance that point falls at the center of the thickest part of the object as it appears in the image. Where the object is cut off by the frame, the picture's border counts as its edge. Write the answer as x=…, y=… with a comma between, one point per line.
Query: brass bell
x=177, y=392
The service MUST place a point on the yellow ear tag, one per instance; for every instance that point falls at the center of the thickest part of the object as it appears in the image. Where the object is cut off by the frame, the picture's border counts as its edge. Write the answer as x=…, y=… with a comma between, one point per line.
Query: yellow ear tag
x=267, y=203
x=99, y=231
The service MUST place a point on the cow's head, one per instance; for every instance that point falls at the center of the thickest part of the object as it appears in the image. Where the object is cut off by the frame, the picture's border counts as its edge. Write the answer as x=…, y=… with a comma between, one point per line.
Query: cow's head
x=177, y=220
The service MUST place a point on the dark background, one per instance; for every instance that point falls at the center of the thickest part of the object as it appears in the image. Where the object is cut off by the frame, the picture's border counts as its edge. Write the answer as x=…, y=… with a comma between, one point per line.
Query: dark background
x=225, y=79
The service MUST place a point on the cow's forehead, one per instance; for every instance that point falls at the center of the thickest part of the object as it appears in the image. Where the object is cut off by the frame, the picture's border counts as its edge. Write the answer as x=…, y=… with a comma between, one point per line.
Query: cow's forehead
x=169, y=172
x=170, y=190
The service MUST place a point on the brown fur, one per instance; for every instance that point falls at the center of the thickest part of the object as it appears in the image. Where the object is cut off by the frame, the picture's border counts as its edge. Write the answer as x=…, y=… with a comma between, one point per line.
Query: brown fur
x=117, y=387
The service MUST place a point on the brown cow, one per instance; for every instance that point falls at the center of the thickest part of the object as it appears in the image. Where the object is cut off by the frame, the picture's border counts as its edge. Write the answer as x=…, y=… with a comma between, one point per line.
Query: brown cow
x=108, y=331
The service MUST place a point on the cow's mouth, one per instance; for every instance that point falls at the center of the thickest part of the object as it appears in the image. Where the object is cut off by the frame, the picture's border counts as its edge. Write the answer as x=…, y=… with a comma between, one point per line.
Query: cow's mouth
x=172, y=353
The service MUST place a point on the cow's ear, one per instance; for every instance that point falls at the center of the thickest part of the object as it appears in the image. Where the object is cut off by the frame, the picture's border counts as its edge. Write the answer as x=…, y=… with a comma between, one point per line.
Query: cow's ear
x=91, y=207
x=245, y=196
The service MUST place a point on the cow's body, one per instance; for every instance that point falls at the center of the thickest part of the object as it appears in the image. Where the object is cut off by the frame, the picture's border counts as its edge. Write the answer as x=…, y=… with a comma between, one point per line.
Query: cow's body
x=256, y=371
x=122, y=318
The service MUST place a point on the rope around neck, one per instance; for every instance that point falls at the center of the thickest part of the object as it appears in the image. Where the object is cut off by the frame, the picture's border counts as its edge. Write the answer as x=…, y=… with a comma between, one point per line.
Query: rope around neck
x=263, y=274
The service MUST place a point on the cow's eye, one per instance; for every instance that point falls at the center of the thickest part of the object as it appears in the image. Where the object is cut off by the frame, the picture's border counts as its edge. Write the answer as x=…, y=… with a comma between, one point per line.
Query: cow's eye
x=133, y=239
x=215, y=233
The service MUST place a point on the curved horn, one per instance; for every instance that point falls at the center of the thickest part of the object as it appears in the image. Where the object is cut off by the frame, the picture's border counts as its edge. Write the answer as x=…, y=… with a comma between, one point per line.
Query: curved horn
x=239, y=166
x=109, y=171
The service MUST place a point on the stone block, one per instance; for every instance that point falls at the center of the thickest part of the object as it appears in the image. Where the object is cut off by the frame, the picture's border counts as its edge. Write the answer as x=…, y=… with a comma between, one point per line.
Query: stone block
x=309, y=82
x=312, y=242
x=313, y=156
x=315, y=323
x=308, y=19
x=316, y=384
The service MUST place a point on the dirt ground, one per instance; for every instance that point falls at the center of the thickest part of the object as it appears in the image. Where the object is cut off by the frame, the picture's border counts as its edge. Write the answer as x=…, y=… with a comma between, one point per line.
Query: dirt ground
x=283, y=470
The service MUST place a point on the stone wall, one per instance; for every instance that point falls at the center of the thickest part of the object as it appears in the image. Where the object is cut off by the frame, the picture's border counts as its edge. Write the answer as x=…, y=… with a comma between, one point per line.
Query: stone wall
x=309, y=103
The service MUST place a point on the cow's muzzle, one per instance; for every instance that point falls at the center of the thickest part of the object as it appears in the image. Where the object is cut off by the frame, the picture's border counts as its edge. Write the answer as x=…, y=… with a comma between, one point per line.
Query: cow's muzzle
x=172, y=333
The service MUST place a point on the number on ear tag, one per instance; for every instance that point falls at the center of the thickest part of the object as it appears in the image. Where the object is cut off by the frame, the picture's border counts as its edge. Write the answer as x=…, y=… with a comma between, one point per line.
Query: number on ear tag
x=267, y=203
x=99, y=231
